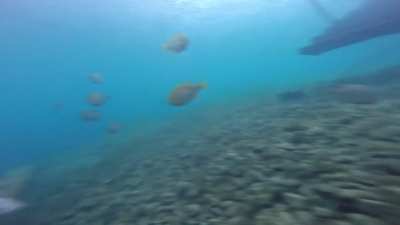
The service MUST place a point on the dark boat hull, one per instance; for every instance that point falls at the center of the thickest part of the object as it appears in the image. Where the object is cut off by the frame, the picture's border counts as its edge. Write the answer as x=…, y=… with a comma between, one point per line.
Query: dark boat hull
x=373, y=19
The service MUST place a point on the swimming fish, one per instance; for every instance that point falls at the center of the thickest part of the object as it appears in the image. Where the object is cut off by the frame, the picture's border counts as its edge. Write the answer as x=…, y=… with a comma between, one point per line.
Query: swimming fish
x=96, y=78
x=8, y=205
x=374, y=18
x=292, y=96
x=90, y=115
x=96, y=99
x=177, y=43
x=355, y=94
x=185, y=93
x=113, y=128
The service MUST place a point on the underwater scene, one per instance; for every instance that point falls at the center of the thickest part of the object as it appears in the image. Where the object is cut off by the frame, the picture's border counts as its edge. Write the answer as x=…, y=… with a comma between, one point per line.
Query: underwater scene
x=200, y=112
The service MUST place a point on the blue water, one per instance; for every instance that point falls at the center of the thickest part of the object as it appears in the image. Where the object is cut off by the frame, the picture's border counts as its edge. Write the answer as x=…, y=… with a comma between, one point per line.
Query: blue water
x=244, y=50
x=48, y=48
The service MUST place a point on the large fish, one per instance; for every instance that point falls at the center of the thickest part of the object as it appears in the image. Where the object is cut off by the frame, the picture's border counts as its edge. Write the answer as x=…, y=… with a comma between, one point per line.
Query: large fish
x=96, y=99
x=177, y=43
x=185, y=93
x=374, y=18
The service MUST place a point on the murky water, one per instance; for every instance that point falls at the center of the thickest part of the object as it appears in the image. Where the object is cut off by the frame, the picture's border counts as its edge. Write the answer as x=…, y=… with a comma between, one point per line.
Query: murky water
x=199, y=112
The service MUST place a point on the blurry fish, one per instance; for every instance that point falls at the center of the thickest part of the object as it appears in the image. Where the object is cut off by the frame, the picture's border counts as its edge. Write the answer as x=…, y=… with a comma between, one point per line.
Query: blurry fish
x=90, y=115
x=176, y=44
x=113, y=128
x=8, y=205
x=292, y=96
x=351, y=87
x=355, y=94
x=183, y=94
x=96, y=99
x=96, y=78
x=374, y=18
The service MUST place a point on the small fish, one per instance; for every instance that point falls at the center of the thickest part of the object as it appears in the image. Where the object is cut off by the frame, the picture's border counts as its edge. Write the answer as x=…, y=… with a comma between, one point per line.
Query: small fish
x=176, y=44
x=113, y=128
x=350, y=89
x=355, y=94
x=8, y=205
x=183, y=94
x=90, y=115
x=96, y=78
x=96, y=99
x=292, y=96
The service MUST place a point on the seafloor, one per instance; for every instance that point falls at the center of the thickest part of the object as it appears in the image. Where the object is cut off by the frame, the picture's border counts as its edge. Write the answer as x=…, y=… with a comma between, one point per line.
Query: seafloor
x=305, y=160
